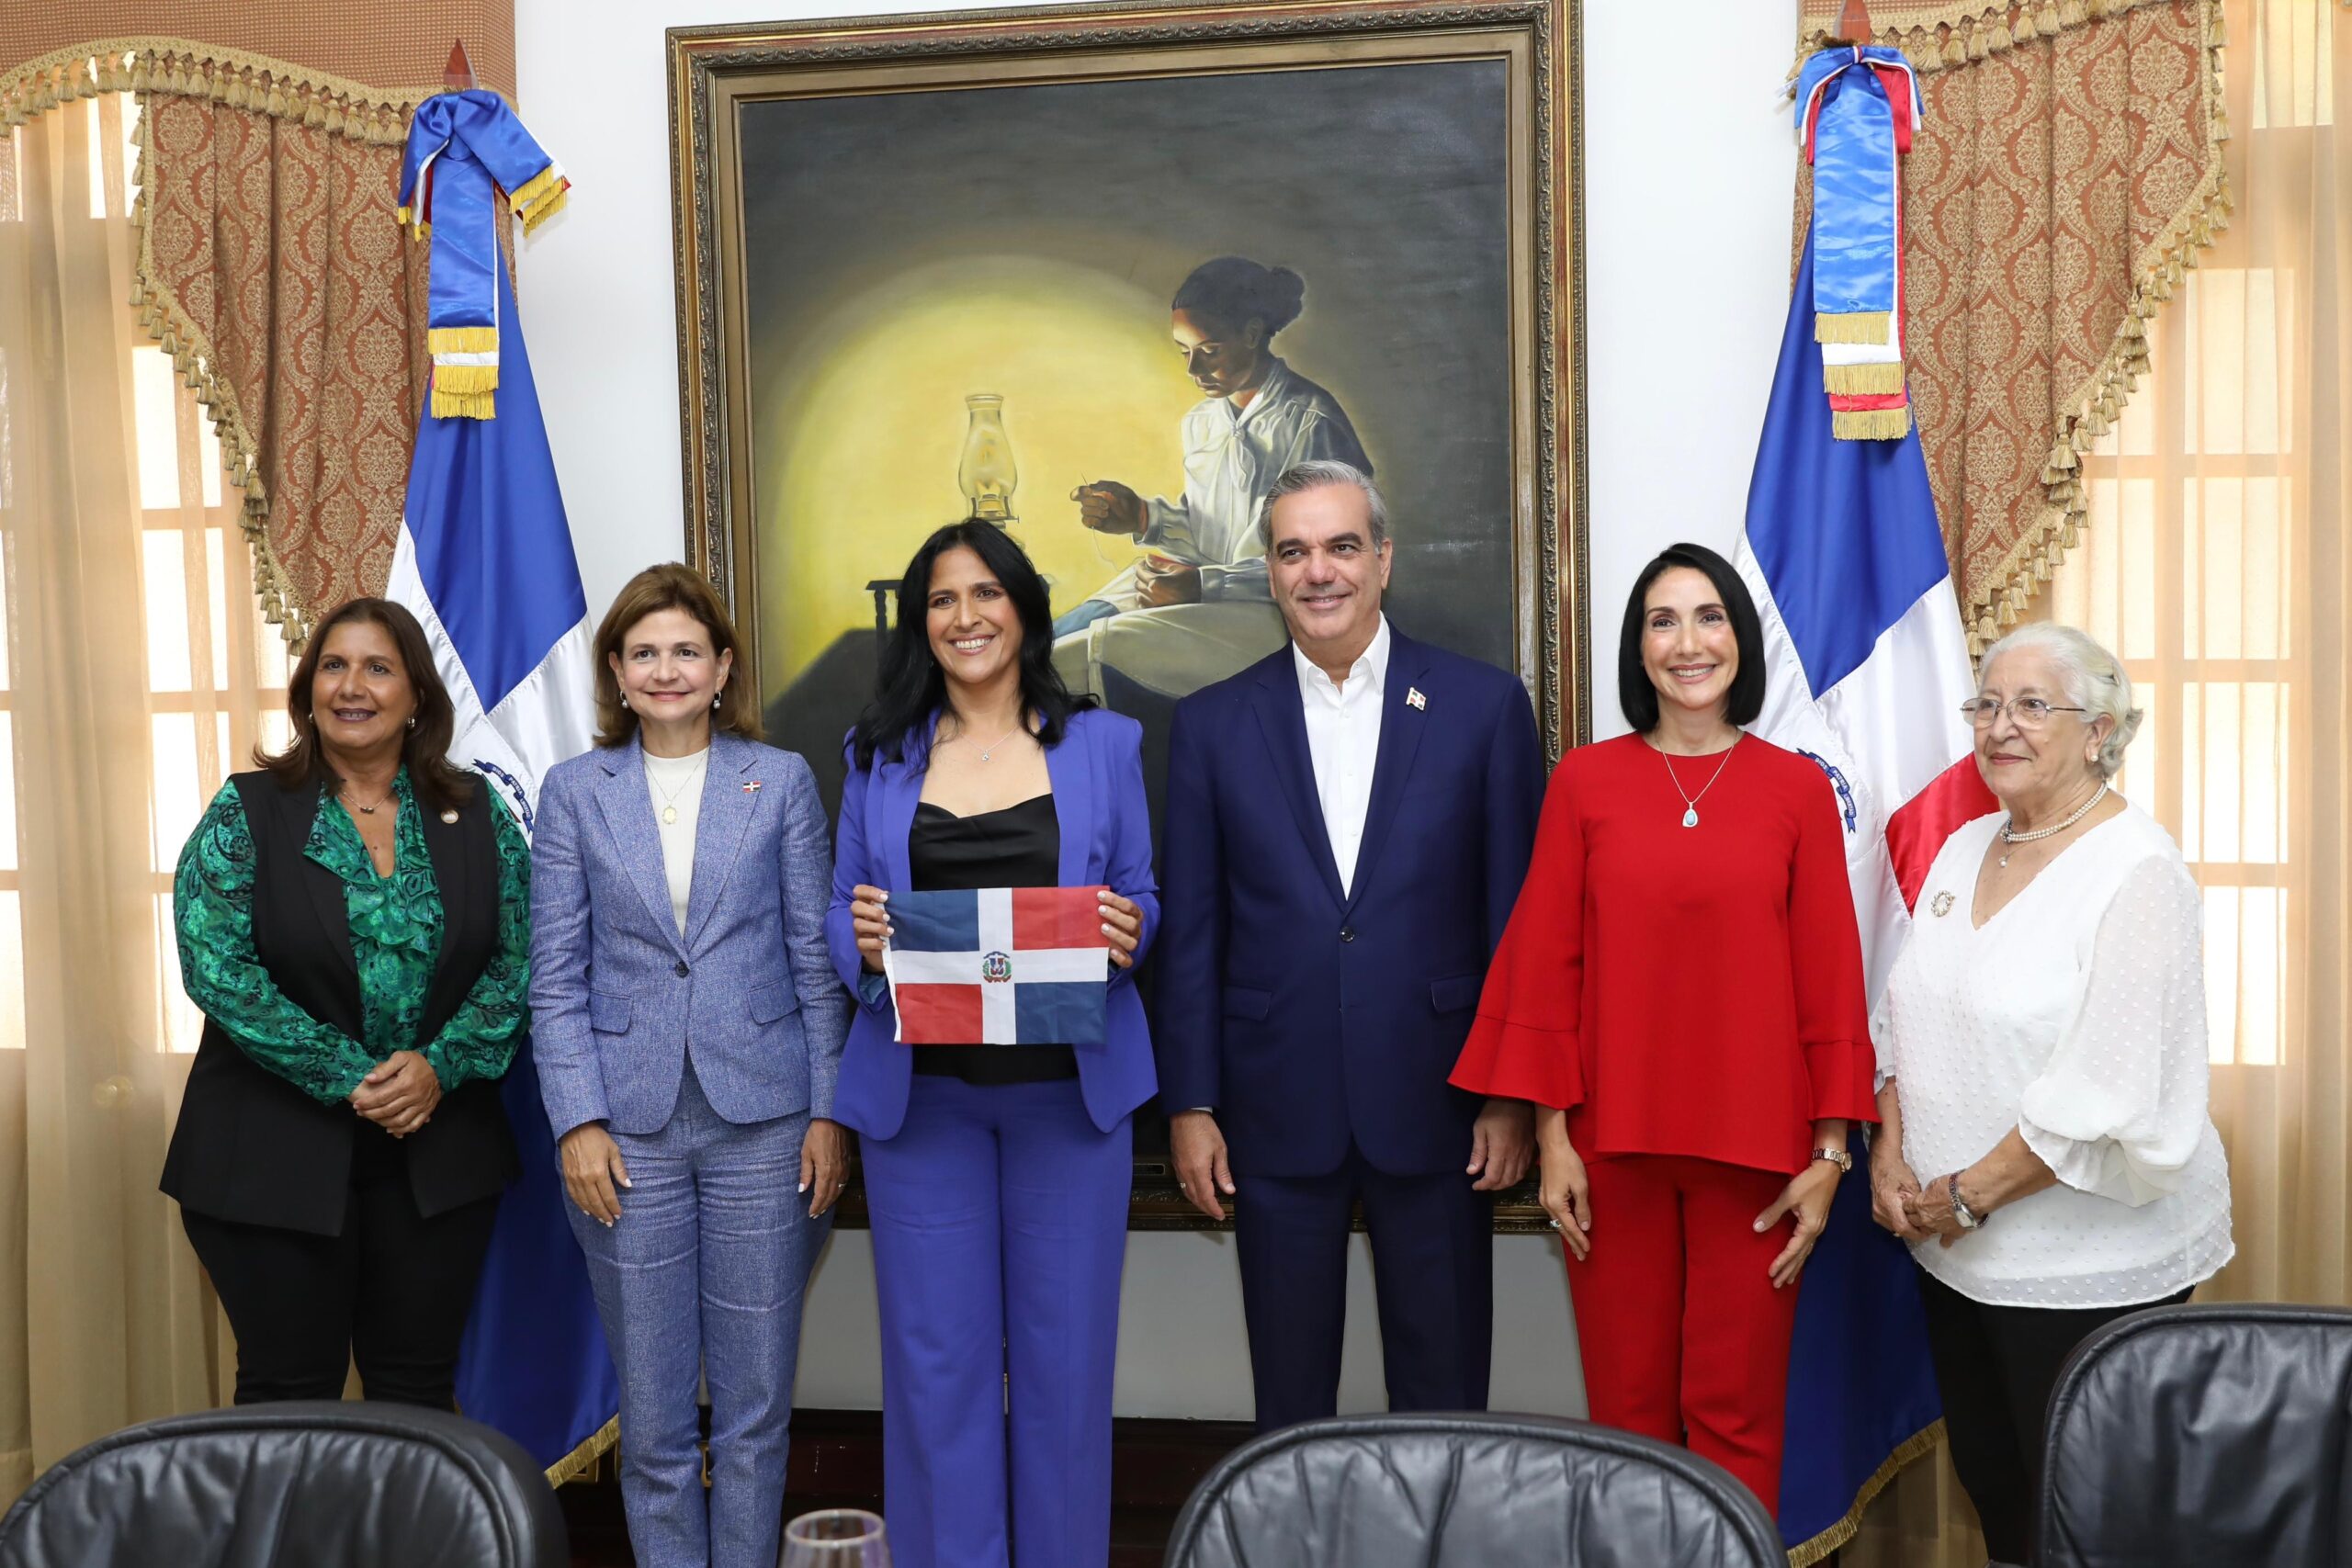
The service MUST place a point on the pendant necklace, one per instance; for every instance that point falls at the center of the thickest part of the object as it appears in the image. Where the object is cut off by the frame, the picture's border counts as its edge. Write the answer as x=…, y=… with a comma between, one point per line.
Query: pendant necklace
x=670, y=797
x=1689, y=801
x=991, y=746
x=370, y=810
x=2011, y=836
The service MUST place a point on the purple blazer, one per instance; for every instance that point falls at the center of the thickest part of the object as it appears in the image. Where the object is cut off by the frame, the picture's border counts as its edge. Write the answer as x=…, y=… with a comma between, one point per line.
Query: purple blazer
x=1097, y=773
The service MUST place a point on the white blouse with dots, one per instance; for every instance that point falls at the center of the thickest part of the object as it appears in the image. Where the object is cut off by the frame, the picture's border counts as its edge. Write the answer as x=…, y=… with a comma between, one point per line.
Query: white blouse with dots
x=2076, y=1015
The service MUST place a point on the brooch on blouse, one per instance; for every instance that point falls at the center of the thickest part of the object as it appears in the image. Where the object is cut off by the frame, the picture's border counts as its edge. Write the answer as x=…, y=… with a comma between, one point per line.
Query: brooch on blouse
x=1942, y=905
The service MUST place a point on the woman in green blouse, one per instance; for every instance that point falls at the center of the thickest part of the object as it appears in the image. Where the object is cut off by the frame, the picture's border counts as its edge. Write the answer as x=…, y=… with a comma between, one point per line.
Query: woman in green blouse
x=355, y=921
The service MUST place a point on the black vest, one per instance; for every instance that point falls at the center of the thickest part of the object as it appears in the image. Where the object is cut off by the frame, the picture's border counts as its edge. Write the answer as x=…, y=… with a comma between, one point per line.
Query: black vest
x=252, y=1148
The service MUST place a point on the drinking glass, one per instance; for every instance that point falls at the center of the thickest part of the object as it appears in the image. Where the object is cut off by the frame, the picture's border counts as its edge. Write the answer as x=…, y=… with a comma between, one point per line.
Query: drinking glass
x=836, y=1538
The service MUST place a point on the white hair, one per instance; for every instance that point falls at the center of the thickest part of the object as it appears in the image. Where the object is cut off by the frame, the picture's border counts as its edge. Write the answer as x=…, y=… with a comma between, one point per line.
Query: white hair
x=2093, y=678
x=1314, y=474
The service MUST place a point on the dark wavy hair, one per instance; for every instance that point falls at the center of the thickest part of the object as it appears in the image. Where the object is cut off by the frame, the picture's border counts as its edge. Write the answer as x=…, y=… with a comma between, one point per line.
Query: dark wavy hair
x=897, y=724
x=1635, y=696
x=1235, y=291
x=425, y=748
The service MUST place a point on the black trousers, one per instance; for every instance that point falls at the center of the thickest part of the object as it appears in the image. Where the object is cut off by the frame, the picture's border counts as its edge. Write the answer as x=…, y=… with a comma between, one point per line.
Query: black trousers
x=1433, y=1278
x=391, y=1293
x=1997, y=1367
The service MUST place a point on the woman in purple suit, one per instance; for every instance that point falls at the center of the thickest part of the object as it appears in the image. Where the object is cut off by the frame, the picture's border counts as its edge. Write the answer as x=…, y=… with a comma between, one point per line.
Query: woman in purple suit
x=996, y=1175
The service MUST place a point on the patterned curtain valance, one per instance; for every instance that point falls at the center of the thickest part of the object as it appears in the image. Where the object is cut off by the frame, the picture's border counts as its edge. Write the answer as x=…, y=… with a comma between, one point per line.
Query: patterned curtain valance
x=2068, y=171
x=272, y=269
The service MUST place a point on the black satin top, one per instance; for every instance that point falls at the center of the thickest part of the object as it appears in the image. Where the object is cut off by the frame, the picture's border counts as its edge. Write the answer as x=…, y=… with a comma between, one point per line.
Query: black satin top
x=1020, y=846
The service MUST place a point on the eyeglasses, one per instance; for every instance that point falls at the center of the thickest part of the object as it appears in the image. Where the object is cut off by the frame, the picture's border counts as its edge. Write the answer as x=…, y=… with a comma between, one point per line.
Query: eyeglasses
x=2030, y=713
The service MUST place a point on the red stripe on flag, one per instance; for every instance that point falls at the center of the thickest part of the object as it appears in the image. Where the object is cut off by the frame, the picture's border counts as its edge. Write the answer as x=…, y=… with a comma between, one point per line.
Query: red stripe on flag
x=1047, y=918
x=1918, y=831
x=939, y=1015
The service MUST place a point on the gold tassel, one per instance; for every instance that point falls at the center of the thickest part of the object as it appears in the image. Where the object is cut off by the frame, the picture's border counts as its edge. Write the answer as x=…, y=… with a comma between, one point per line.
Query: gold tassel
x=1976, y=42
x=1863, y=380
x=538, y=186
x=314, y=113
x=465, y=378
x=2000, y=40
x=1870, y=424
x=543, y=212
x=2049, y=21
x=334, y=115
x=1855, y=326
x=1955, y=51
x=2070, y=12
x=461, y=405
x=440, y=341
x=276, y=103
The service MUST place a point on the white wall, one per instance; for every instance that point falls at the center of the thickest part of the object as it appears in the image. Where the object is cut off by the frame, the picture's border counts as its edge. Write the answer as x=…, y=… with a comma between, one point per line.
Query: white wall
x=1687, y=224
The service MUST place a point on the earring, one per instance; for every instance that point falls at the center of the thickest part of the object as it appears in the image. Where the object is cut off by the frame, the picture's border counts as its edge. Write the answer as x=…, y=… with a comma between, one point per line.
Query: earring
x=412, y=721
x=714, y=699
x=625, y=702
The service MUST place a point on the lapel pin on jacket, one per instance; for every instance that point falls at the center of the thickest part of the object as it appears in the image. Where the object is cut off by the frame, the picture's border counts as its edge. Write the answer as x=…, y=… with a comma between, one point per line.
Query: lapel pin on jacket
x=450, y=816
x=753, y=787
x=1413, y=698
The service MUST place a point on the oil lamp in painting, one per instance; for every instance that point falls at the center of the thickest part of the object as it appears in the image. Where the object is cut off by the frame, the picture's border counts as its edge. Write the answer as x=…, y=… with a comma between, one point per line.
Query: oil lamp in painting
x=987, y=474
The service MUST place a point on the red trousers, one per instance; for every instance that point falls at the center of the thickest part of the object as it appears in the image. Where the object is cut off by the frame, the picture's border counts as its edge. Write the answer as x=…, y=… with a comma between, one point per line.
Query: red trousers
x=1681, y=1333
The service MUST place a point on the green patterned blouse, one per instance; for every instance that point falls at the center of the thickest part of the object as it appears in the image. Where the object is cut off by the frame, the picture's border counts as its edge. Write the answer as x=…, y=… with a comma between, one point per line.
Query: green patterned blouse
x=395, y=939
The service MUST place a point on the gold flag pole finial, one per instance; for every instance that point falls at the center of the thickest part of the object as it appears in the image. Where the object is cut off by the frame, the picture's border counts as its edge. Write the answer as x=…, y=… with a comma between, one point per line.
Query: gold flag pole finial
x=458, y=74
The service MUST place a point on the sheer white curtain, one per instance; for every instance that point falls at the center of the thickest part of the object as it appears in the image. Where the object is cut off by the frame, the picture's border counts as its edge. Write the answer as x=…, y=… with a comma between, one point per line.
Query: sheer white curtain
x=135, y=673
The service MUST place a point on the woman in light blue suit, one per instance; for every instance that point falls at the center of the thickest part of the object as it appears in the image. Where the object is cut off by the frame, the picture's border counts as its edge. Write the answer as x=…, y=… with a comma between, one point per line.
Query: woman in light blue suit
x=688, y=1032
x=997, y=1175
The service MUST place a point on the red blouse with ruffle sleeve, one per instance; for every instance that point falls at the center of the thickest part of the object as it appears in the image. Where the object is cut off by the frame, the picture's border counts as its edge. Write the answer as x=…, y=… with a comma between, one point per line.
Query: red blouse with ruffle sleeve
x=1682, y=990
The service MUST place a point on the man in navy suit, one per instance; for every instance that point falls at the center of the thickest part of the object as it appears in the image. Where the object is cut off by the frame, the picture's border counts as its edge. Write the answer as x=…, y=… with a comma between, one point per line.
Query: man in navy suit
x=1347, y=825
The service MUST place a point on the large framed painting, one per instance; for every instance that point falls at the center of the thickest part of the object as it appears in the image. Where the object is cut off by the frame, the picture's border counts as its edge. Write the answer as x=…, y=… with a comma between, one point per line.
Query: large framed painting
x=931, y=268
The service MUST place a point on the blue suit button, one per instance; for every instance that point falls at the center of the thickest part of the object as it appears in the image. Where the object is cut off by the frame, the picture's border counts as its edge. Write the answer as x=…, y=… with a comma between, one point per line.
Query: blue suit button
x=1346, y=933
x=682, y=968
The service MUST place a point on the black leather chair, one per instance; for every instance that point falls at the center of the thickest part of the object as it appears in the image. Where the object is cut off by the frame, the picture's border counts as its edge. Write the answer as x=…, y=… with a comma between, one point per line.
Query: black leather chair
x=1469, y=1492
x=2200, y=1437
x=306, y=1484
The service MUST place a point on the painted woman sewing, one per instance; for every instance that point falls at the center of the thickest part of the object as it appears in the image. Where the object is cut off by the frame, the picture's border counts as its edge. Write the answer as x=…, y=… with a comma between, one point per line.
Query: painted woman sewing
x=1258, y=417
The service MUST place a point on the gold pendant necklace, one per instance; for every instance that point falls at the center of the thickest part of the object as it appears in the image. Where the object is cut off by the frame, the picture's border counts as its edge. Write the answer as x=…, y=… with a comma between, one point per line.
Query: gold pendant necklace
x=670, y=797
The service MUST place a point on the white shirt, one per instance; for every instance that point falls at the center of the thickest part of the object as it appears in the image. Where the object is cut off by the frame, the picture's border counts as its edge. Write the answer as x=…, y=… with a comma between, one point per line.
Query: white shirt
x=1344, y=741
x=2076, y=1015
x=676, y=781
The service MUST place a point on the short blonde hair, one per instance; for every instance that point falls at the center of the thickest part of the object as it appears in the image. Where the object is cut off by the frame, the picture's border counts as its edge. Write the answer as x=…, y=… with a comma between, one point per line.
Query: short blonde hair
x=670, y=586
x=2094, y=680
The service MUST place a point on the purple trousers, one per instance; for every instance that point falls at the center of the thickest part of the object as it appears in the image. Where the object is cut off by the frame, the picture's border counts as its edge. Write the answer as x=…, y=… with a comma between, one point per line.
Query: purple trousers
x=1000, y=1217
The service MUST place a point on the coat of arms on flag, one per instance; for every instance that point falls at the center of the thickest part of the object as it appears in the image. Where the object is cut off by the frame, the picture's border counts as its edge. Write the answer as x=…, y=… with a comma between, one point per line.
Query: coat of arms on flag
x=999, y=967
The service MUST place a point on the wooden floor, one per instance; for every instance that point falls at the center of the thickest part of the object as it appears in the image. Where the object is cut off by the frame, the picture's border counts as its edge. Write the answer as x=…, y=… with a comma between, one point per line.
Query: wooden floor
x=837, y=1463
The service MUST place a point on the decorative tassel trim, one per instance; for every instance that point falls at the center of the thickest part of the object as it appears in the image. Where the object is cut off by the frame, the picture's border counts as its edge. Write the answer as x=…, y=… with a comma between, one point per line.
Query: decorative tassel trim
x=582, y=1459
x=546, y=210
x=1857, y=326
x=465, y=378
x=2093, y=406
x=1967, y=31
x=1870, y=424
x=332, y=104
x=440, y=341
x=1863, y=380
x=539, y=187
x=1918, y=1445
x=451, y=403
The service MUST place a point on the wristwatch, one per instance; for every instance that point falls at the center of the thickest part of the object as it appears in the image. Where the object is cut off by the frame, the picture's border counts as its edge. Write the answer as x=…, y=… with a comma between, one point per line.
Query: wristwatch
x=1838, y=1157
x=1969, y=1218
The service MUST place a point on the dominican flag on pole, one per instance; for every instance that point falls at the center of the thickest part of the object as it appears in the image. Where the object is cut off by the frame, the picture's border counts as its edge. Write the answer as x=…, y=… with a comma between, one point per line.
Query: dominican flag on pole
x=1869, y=667
x=485, y=564
x=998, y=967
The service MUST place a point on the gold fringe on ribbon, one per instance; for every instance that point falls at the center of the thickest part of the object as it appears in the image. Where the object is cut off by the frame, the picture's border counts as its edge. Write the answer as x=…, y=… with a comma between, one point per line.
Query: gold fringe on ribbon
x=1918, y=1445
x=465, y=378
x=539, y=187
x=451, y=403
x=440, y=341
x=582, y=1459
x=1864, y=380
x=1854, y=326
x=1870, y=425
x=544, y=210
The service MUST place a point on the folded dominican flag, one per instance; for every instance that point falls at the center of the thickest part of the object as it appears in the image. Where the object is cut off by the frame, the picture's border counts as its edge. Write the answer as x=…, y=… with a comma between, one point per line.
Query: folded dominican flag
x=999, y=967
x=1856, y=112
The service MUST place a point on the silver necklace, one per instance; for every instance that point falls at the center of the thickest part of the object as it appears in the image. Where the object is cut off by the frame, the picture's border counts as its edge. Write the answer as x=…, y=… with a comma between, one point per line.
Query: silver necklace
x=991, y=746
x=1689, y=801
x=670, y=797
x=2009, y=835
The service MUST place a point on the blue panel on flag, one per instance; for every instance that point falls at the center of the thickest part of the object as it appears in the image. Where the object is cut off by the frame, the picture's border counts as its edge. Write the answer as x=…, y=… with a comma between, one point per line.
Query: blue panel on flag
x=1845, y=530
x=1059, y=1012
x=936, y=922
x=492, y=548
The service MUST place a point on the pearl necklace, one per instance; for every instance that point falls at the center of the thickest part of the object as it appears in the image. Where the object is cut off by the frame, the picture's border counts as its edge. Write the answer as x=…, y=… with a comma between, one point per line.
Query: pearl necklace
x=2009, y=835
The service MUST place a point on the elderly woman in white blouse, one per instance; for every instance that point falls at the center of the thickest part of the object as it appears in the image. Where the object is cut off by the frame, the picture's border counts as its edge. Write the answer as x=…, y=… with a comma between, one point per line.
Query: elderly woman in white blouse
x=2044, y=1143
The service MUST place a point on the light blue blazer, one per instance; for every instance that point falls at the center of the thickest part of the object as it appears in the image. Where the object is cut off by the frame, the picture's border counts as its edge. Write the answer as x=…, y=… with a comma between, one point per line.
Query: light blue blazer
x=619, y=997
x=1097, y=773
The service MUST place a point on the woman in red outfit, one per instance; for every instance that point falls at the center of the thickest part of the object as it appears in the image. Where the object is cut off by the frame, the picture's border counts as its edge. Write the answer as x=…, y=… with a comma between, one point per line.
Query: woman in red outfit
x=1680, y=991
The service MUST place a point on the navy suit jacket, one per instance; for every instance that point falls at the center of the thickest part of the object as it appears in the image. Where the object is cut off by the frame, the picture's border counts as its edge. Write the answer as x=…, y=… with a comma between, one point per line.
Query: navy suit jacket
x=1097, y=773
x=618, y=997
x=1305, y=1017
